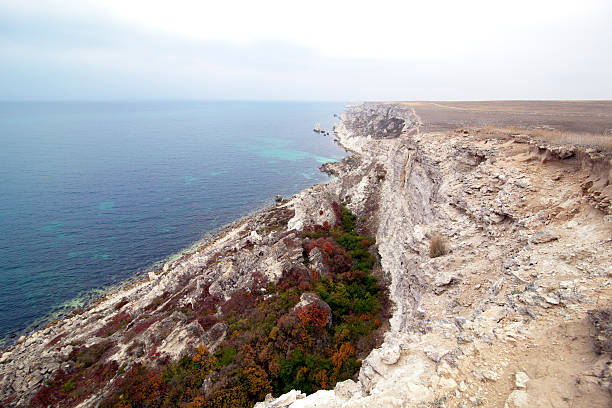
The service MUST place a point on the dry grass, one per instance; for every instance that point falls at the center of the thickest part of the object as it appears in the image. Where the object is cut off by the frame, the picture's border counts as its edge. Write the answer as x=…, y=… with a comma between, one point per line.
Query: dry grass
x=437, y=246
x=601, y=140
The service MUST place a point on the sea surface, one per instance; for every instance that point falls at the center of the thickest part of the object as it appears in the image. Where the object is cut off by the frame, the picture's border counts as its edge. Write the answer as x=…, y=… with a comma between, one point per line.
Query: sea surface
x=93, y=192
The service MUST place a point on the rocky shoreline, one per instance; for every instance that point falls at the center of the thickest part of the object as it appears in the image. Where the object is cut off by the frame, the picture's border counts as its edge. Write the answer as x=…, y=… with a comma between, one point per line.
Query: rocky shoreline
x=142, y=276
x=527, y=226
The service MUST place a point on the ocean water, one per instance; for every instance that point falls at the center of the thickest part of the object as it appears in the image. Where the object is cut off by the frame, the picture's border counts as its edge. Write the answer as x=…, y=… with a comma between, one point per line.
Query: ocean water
x=92, y=193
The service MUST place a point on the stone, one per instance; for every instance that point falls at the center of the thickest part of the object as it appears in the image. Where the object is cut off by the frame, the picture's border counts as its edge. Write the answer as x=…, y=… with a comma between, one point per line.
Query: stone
x=522, y=183
x=390, y=353
x=316, y=261
x=488, y=375
x=460, y=322
x=35, y=378
x=435, y=354
x=462, y=386
x=497, y=286
x=50, y=368
x=520, y=380
x=517, y=399
x=346, y=389
x=444, y=278
x=283, y=401
x=254, y=237
x=543, y=236
x=464, y=339
x=6, y=357
x=447, y=384
x=65, y=352
x=551, y=298
x=278, y=198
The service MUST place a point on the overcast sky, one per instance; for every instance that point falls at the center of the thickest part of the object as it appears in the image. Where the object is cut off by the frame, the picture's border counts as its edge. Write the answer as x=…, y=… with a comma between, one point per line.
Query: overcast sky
x=308, y=50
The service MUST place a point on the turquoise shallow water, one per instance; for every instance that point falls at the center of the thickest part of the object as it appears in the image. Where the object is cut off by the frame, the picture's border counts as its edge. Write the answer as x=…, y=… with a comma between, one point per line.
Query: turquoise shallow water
x=91, y=193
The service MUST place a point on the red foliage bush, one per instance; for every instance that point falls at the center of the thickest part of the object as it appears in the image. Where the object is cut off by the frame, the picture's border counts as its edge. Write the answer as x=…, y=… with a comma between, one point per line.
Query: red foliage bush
x=317, y=229
x=259, y=281
x=294, y=277
x=352, y=276
x=119, y=321
x=207, y=321
x=70, y=389
x=143, y=326
x=334, y=256
x=240, y=300
x=141, y=387
x=289, y=243
x=50, y=394
x=313, y=315
x=337, y=212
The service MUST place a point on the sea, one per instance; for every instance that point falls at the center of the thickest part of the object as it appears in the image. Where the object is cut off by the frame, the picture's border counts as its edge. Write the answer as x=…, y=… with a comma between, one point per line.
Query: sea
x=94, y=193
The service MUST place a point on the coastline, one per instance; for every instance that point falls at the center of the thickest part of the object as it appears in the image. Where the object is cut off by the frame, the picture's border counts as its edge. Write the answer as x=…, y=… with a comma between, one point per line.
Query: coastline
x=94, y=296
x=525, y=223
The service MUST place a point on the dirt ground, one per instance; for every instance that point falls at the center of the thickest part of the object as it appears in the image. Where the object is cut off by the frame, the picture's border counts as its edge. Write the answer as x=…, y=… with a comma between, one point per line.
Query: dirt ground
x=572, y=116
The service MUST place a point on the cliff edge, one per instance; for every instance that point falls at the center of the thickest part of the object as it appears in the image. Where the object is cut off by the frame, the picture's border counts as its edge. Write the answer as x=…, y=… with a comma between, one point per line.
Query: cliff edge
x=512, y=314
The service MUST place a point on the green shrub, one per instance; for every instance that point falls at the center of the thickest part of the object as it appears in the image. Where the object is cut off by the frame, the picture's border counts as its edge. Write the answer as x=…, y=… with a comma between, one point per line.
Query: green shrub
x=271, y=348
x=225, y=356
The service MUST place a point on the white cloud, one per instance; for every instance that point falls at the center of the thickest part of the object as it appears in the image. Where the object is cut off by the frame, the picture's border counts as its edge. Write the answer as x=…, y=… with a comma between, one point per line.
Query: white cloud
x=357, y=28
x=471, y=49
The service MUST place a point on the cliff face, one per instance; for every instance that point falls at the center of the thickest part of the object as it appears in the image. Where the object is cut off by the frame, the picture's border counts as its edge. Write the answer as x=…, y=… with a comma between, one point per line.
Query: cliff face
x=500, y=320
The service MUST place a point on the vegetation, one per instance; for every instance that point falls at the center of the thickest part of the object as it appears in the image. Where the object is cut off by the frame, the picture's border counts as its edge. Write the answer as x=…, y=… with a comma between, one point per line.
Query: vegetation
x=593, y=137
x=437, y=246
x=271, y=345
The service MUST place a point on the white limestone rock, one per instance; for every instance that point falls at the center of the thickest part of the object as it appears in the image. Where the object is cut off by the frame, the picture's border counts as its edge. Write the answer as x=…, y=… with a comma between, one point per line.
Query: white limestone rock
x=517, y=399
x=520, y=380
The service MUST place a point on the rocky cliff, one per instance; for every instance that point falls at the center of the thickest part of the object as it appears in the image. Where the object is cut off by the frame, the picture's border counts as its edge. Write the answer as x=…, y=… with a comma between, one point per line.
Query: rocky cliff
x=512, y=314
x=501, y=320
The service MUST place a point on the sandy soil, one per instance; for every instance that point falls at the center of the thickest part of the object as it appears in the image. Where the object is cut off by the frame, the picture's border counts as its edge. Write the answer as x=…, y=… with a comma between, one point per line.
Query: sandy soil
x=574, y=116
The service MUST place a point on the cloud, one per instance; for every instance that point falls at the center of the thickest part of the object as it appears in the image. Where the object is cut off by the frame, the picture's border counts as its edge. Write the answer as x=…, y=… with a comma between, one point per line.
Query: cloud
x=318, y=50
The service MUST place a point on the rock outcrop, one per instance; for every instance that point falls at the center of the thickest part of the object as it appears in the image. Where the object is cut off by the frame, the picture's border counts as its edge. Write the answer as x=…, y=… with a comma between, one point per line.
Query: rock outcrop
x=501, y=320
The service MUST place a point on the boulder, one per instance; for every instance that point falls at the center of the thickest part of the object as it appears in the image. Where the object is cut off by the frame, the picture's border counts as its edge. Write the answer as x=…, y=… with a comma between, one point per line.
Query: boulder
x=316, y=261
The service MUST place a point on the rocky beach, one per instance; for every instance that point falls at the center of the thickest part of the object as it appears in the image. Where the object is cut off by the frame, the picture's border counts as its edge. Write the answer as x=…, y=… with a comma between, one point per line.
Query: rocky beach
x=513, y=311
